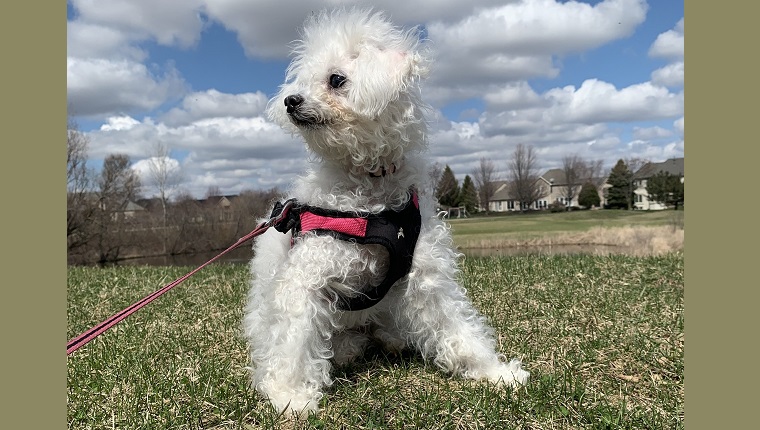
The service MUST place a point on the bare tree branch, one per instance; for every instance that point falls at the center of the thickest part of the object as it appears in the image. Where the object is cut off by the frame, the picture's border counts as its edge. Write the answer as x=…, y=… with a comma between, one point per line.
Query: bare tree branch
x=485, y=177
x=80, y=206
x=524, y=176
x=574, y=169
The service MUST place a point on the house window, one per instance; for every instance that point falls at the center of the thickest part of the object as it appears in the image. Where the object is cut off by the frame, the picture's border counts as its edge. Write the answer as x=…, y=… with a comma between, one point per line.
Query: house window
x=511, y=204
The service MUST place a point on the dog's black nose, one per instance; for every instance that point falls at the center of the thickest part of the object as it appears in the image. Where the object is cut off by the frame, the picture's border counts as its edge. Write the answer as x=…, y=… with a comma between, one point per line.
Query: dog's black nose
x=292, y=102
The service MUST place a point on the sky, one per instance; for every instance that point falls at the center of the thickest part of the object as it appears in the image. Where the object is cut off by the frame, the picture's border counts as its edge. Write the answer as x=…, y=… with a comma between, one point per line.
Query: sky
x=602, y=80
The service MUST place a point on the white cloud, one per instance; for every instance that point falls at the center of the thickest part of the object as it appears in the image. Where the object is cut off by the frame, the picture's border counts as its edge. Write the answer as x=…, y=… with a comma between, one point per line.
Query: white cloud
x=649, y=133
x=106, y=73
x=487, y=51
x=671, y=75
x=99, y=87
x=116, y=123
x=169, y=22
x=598, y=101
x=265, y=28
x=678, y=125
x=87, y=40
x=214, y=104
x=562, y=112
x=145, y=168
x=517, y=41
x=670, y=44
x=517, y=95
x=232, y=153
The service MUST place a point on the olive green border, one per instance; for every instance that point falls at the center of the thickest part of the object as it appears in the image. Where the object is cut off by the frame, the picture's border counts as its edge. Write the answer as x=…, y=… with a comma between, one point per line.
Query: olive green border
x=721, y=285
x=34, y=289
x=721, y=288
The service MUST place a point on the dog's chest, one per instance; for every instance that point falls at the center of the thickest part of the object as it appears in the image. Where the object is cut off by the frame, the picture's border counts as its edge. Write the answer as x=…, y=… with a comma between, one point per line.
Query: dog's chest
x=347, y=265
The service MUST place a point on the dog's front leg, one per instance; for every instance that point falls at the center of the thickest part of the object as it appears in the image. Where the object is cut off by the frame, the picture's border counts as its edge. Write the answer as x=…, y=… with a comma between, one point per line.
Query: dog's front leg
x=442, y=322
x=289, y=325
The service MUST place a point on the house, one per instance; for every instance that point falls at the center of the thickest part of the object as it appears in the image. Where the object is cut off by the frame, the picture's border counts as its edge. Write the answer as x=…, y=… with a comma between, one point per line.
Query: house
x=222, y=206
x=504, y=201
x=152, y=205
x=131, y=209
x=557, y=183
x=673, y=166
x=554, y=187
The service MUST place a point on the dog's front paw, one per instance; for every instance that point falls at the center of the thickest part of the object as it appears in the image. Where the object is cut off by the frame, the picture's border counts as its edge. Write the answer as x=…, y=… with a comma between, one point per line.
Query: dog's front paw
x=512, y=374
x=298, y=406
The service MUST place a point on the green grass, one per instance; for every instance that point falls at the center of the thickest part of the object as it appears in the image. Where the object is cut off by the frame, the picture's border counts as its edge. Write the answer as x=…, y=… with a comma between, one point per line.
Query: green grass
x=536, y=224
x=602, y=337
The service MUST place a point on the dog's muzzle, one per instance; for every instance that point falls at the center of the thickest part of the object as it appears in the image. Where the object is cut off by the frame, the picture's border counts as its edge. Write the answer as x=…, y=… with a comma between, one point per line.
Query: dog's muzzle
x=292, y=103
x=294, y=106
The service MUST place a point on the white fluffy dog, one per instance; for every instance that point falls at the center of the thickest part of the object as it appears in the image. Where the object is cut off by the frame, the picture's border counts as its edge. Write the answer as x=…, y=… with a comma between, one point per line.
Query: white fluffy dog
x=343, y=270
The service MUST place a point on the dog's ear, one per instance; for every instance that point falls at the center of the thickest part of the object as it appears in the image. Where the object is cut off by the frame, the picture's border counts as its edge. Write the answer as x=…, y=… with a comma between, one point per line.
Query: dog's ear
x=384, y=73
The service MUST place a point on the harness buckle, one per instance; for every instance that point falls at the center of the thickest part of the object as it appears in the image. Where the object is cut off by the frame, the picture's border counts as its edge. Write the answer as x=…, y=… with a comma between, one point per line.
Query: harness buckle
x=284, y=216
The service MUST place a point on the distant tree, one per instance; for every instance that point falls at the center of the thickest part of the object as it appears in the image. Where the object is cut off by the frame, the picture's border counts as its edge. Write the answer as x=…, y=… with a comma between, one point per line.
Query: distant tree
x=523, y=175
x=594, y=173
x=213, y=190
x=434, y=174
x=448, y=188
x=666, y=188
x=186, y=218
x=80, y=202
x=163, y=175
x=634, y=164
x=118, y=185
x=589, y=195
x=620, y=194
x=469, y=195
x=485, y=176
x=574, y=169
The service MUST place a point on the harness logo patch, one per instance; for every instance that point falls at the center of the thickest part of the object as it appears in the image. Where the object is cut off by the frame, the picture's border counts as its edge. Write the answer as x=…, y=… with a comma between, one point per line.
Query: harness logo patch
x=400, y=233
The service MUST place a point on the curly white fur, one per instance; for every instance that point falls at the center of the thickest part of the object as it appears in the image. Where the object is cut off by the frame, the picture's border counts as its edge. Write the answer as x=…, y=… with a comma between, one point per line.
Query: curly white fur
x=356, y=102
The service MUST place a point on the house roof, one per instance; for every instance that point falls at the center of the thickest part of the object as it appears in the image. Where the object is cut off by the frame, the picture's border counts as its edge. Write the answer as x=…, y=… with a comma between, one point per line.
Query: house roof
x=131, y=206
x=219, y=200
x=150, y=204
x=502, y=191
x=674, y=166
x=555, y=177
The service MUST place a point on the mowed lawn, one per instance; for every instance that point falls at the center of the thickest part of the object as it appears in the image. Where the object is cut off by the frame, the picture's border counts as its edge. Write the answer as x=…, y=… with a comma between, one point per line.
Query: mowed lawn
x=497, y=228
x=602, y=337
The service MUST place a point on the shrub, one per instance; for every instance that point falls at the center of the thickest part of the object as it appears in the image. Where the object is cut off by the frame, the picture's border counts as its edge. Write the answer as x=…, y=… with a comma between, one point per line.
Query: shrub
x=556, y=207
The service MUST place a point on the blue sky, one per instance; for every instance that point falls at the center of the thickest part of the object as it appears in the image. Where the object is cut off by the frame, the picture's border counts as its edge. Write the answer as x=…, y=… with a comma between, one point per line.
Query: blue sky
x=598, y=79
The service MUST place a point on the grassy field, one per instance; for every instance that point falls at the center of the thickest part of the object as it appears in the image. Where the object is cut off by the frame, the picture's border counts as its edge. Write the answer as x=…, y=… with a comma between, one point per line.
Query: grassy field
x=631, y=232
x=601, y=335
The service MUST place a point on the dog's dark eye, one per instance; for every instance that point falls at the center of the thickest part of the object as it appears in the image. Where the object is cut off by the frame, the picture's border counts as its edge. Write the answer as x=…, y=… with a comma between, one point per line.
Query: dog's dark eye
x=337, y=81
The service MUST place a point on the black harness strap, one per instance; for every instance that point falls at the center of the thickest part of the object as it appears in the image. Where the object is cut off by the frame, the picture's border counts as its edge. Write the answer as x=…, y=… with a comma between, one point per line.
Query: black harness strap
x=397, y=231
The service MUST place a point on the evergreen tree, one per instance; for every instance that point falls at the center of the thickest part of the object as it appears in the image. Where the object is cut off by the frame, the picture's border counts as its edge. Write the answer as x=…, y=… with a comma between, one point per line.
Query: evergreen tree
x=448, y=188
x=666, y=188
x=620, y=195
x=469, y=195
x=589, y=195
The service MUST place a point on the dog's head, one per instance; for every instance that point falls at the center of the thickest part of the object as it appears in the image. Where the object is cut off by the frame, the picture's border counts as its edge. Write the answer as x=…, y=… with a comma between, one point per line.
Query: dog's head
x=352, y=89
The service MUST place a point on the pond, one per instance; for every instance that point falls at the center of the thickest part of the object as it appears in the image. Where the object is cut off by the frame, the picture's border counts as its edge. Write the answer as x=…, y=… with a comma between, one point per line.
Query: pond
x=548, y=249
x=244, y=254
x=240, y=255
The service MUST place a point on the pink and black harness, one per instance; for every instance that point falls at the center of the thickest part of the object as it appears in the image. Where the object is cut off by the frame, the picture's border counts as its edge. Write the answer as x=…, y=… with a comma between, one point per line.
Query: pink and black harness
x=396, y=230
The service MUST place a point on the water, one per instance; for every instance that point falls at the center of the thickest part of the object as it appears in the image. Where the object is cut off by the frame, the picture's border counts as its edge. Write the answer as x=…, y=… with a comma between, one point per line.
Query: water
x=240, y=255
x=548, y=249
x=243, y=255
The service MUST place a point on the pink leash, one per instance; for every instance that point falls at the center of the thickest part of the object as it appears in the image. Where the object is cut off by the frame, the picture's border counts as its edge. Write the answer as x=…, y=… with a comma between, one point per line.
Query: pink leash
x=96, y=331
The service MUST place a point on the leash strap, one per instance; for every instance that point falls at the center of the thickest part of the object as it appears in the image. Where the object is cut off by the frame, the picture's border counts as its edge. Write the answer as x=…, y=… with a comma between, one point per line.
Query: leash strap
x=280, y=214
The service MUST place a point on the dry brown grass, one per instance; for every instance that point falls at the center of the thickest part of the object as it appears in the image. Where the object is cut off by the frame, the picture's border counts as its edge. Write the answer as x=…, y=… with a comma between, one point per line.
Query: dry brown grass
x=636, y=241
